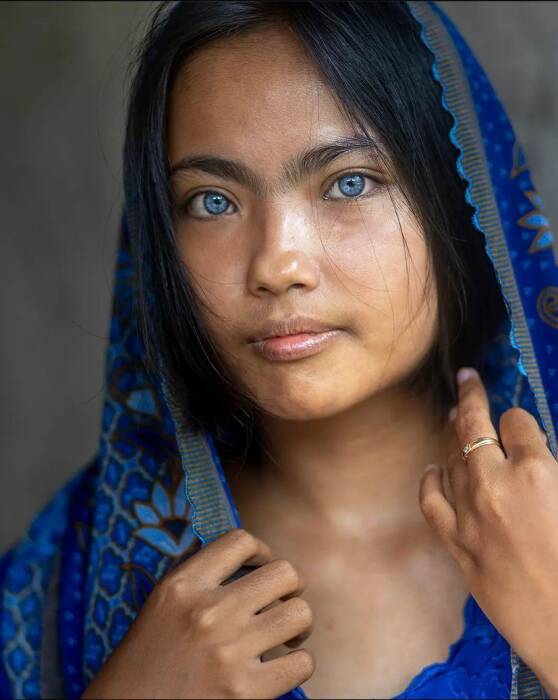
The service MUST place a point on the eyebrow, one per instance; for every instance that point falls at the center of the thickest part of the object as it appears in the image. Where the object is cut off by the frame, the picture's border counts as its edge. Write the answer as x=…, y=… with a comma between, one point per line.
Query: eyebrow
x=294, y=171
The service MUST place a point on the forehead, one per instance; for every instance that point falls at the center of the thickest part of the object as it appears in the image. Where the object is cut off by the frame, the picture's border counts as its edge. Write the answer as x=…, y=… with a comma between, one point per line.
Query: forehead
x=254, y=96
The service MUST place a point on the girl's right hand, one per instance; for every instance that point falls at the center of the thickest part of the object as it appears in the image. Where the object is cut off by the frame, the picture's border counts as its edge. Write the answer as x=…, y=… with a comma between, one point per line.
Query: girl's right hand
x=196, y=637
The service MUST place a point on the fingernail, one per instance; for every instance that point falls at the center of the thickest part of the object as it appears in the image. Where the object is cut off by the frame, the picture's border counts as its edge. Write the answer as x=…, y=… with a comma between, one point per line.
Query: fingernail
x=465, y=373
x=452, y=413
x=429, y=467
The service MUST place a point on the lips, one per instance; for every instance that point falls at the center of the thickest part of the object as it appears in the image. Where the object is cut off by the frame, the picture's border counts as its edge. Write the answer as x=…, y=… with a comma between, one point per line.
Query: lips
x=290, y=326
x=294, y=346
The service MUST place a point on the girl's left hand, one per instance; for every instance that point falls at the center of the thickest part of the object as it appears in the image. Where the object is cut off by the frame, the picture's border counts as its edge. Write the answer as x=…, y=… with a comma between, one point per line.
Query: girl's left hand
x=502, y=527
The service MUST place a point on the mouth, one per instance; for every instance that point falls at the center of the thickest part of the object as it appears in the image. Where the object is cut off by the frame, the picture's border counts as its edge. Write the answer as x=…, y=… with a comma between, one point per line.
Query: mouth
x=294, y=346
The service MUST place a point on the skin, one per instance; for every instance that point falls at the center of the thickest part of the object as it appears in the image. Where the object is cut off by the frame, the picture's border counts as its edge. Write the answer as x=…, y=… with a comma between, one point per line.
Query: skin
x=292, y=252
x=199, y=637
x=384, y=555
x=501, y=525
x=347, y=447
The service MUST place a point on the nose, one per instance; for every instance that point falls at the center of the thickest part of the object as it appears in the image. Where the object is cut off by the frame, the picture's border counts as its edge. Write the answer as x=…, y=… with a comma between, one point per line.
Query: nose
x=285, y=255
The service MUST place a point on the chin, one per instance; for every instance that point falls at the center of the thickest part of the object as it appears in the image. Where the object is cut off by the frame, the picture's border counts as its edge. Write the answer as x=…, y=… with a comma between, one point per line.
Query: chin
x=305, y=401
x=302, y=411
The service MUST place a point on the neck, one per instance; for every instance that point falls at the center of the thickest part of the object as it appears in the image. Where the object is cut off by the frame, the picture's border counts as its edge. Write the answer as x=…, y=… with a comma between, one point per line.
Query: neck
x=354, y=472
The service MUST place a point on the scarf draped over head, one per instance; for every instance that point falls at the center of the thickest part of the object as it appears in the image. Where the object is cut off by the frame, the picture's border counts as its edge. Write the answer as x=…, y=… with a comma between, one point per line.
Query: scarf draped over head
x=155, y=492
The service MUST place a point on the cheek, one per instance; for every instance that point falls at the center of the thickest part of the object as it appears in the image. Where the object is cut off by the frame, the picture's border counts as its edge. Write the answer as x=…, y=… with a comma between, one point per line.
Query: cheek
x=210, y=260
x=402, y=302
x=216, y=272
x=373, y=275
x=381, y=261
x=379, y=265
x=376, y=274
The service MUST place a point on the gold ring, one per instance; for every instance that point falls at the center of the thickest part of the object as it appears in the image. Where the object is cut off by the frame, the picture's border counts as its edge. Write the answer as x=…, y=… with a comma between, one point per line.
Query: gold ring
x=478, y=442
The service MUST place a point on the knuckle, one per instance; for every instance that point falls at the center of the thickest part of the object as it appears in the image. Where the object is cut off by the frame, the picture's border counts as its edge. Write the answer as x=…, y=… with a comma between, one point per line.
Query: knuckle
x=489, y=498
x=533, y=471
x=427, y=505
x=235, y=688
x=466, y=420
x=467, y=559
x=468, y=535
x=286, y=569
x=224, y=655
x=301, y=665
x=241, y=536
x=204, y=617
x=484, y=500
x=532, y=463
x=523, y=453
x=306, y=662
x=173, y=588
x=301, y=609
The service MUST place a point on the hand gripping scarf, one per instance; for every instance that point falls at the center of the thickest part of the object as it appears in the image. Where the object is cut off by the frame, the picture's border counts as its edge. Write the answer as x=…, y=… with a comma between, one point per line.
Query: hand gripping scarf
x=155, y=492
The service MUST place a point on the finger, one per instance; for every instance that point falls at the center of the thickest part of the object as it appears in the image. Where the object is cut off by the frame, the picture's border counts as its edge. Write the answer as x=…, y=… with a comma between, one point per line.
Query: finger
x=456, y=469
x=473, y=420
x=286, y=621
x=521, y=436
x=283, y=674
x=221, y=558
x=448, y=488
x=295, y=641
x=277, y=579
x=435, y=507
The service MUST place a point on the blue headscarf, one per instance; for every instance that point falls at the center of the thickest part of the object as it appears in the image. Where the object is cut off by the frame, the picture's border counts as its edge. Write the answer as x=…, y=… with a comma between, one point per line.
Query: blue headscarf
x=155, y=492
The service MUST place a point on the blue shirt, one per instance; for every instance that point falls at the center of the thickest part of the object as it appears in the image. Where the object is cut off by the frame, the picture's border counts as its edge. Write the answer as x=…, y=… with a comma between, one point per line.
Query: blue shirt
x=478, y=664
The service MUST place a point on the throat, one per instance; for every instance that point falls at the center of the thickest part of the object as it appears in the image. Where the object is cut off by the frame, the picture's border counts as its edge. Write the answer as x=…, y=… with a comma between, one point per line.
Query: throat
x=379, y=618
x=386, y=602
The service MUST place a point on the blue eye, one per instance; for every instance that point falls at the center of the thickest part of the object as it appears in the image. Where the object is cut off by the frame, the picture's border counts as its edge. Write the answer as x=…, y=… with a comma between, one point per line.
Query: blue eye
x=351, y=186
x=213, y=203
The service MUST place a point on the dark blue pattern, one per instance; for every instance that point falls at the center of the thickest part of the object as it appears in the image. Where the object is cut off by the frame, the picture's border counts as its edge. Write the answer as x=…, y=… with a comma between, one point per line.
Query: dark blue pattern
x=124, y=520
x=27, y=571
x=528, y=237
x=8, y=629
x=478, y=664
x=72, y=580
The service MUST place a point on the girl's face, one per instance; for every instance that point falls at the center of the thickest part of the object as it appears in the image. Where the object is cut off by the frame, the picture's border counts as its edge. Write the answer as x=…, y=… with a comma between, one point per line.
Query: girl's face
x=266, y=234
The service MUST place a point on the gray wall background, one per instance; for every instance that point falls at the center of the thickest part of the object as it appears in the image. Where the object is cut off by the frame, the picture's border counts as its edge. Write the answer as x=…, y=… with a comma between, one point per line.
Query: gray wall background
x=63, y=87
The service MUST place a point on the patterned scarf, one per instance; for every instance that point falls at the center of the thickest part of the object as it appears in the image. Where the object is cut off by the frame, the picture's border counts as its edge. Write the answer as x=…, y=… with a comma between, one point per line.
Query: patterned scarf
x=155, y=491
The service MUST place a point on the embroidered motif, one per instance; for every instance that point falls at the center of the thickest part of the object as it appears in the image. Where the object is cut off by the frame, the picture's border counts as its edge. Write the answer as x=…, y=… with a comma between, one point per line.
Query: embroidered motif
x=138, y=529
x=536, y=220
x=547, y=305
x=164, y=524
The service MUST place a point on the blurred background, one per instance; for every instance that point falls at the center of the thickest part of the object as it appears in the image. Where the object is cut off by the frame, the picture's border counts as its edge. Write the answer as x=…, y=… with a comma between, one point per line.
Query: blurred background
x=63, y=81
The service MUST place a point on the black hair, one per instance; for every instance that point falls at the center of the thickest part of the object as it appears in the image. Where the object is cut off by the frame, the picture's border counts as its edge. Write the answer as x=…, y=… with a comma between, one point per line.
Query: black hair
x=380, y=72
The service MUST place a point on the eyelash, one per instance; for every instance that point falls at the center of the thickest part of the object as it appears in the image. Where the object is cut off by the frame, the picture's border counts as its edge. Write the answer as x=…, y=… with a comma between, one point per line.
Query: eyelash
x=183, y=208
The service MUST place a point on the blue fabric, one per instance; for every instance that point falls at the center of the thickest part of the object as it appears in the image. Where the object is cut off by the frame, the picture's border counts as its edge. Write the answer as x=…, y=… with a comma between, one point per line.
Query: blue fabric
x=155, y=491
x=478, y=664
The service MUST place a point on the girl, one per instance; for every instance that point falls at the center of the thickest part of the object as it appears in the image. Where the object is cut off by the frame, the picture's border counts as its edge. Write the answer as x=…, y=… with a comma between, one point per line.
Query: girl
x=327, y=216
